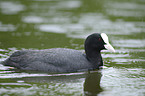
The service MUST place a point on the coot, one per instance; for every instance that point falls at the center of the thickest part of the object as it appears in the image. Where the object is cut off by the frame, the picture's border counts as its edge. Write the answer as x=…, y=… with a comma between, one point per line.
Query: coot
x=58, y=60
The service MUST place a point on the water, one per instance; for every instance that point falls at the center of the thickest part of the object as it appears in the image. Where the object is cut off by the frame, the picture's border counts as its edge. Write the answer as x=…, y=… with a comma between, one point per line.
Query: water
x=42, y=24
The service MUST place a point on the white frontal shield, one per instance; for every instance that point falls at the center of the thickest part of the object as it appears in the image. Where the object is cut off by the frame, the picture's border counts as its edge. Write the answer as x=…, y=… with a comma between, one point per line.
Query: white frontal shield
x=107, y=45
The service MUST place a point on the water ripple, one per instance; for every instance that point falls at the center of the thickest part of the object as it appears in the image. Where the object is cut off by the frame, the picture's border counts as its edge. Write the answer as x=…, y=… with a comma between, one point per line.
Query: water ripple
x=21, y=75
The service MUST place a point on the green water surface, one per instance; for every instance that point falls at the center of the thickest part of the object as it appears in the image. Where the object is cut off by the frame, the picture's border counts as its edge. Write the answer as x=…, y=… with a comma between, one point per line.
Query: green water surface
x=43, y=24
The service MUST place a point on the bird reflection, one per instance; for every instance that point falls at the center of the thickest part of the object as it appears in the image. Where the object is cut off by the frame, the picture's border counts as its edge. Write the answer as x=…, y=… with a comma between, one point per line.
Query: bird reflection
x=92, y=84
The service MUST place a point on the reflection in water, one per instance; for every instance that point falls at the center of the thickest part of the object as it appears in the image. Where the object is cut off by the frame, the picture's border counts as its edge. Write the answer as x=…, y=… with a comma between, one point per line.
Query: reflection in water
x=69, y=84
x=92, y=84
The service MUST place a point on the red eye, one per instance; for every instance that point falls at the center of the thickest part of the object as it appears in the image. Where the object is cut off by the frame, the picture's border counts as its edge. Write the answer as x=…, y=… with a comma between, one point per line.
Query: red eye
x=100, y=39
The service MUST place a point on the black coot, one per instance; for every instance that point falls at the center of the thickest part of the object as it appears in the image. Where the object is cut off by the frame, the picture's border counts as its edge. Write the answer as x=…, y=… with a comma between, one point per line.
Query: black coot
x=62, y=59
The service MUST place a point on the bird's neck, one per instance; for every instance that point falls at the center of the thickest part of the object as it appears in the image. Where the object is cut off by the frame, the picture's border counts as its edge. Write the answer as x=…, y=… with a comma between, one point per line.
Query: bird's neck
x=95, y=58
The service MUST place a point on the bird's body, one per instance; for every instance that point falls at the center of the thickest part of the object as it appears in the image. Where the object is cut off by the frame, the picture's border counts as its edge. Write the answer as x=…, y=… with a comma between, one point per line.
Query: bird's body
x=60, y=59
x=51, y=60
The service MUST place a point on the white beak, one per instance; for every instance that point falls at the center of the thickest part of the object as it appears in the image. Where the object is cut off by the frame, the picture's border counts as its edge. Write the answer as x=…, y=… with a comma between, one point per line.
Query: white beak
x=107, y=45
